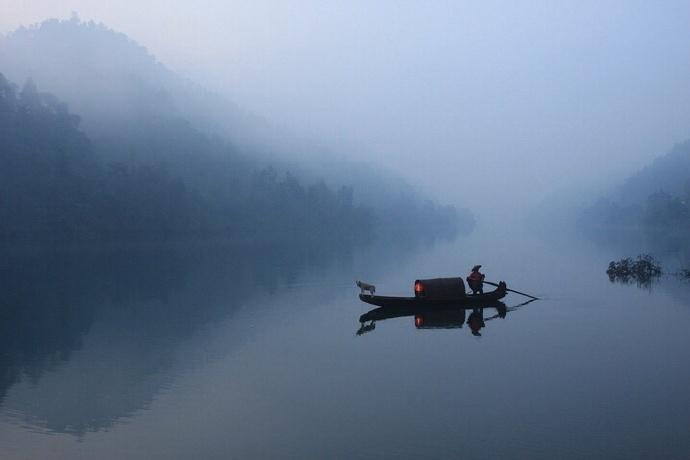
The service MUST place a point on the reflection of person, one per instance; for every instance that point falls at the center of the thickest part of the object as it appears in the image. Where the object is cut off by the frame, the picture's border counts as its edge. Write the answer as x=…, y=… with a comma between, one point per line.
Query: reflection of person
x=476, y=321
x=476, y=280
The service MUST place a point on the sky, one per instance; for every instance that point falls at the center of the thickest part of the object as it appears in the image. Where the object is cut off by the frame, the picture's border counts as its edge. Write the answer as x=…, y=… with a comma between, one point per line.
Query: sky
x=495, y=104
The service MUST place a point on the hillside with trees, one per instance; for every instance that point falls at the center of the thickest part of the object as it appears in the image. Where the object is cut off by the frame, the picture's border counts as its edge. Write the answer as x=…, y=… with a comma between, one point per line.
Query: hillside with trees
x=146, y=119
x=54, y=187
x=655, y=201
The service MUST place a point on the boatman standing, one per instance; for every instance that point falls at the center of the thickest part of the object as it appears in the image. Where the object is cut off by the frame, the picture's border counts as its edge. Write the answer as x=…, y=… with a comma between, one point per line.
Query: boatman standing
x=476, y=280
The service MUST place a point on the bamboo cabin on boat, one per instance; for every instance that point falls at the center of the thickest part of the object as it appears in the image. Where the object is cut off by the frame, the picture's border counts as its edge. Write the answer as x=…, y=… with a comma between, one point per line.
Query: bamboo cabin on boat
x=440, y=289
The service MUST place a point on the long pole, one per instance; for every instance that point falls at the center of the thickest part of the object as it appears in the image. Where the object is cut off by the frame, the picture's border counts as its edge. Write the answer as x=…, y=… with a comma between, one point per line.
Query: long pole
x=513, y=290
x=516, y=307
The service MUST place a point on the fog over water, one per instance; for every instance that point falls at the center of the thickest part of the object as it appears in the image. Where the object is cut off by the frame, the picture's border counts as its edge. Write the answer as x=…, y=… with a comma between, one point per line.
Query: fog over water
x=201, y=352
x=192, y=195
x=511, y=101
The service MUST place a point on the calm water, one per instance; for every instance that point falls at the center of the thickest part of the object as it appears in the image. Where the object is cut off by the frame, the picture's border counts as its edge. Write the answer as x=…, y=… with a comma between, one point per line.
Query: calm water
x=218, y=353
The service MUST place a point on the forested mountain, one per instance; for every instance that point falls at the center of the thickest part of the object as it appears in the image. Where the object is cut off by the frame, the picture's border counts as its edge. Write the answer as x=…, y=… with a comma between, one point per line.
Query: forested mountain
x=668, y=173
x=141, y=118
x=656, y=198
x=108, y=78
x=53, y=186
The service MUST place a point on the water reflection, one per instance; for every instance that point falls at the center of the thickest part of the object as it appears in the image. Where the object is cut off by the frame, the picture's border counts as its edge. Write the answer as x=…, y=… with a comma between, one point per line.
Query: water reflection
x=186, y=353
x=125, y=302
x=90, y=337
x=447, y=317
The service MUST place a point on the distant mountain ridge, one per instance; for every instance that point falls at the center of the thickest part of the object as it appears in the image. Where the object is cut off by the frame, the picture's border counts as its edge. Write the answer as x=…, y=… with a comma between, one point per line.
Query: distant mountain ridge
x=654, y=202
x=138, y=113
x=113, y=83
x=59, y=187
x=105, y=76
x=669, y=173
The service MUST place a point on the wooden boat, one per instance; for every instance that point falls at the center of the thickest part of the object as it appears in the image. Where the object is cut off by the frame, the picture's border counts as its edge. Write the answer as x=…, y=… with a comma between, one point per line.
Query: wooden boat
x=439, y=293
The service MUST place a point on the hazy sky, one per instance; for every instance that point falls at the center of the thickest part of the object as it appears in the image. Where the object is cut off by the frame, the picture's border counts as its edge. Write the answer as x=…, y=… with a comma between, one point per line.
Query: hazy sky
x=501, y=100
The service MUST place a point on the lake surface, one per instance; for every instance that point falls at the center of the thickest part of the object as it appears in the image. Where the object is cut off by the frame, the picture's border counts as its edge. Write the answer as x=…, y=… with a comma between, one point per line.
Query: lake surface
x=206, y=352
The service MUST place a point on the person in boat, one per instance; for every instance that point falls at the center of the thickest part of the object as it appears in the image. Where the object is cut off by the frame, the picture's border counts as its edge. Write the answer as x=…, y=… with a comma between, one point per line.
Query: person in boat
x=475, y=280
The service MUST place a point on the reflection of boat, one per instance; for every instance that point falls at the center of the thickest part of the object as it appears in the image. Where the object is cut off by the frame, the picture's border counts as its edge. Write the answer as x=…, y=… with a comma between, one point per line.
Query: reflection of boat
x=439, y=293
x=437, y=317
x=440, y=319
x=448, y=317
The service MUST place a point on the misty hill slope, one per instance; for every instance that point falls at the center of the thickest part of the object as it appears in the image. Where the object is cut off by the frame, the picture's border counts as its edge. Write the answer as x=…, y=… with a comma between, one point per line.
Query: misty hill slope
x=135, y=109
x=654, y=202
x=112, y=82
x=106, y=77
x=55, y=188
x=668, y=173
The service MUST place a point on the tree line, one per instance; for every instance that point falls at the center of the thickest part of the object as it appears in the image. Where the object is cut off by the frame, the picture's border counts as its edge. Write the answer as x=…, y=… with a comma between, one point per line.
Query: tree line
x=56, y=184
x=661, y=210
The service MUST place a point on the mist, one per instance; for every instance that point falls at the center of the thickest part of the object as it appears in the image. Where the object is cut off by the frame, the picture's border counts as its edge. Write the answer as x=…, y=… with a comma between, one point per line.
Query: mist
x=485, y=105
x=243, y=229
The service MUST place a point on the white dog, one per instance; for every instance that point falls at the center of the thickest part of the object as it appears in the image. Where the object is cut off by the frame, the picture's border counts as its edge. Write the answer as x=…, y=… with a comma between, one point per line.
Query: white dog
x=366, y=287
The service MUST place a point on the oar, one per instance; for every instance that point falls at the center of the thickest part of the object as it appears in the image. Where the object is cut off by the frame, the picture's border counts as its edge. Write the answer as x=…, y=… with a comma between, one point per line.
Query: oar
x=516, y=307
x=513, y=290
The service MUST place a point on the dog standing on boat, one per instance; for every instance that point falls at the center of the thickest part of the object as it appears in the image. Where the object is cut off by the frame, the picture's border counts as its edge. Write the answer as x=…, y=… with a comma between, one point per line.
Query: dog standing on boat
x=366, y=287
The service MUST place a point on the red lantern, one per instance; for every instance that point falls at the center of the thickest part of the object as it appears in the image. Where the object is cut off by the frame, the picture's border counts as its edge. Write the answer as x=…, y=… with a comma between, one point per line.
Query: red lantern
x=419, y=289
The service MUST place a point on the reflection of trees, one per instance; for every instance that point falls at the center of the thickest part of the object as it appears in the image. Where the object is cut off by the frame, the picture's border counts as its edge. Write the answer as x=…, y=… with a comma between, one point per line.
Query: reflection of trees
x=44, y=316
x=134, y=307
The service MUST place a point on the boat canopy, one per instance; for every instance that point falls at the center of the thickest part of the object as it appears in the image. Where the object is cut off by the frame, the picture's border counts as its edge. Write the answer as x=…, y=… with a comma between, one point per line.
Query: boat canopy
x=440, y=288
